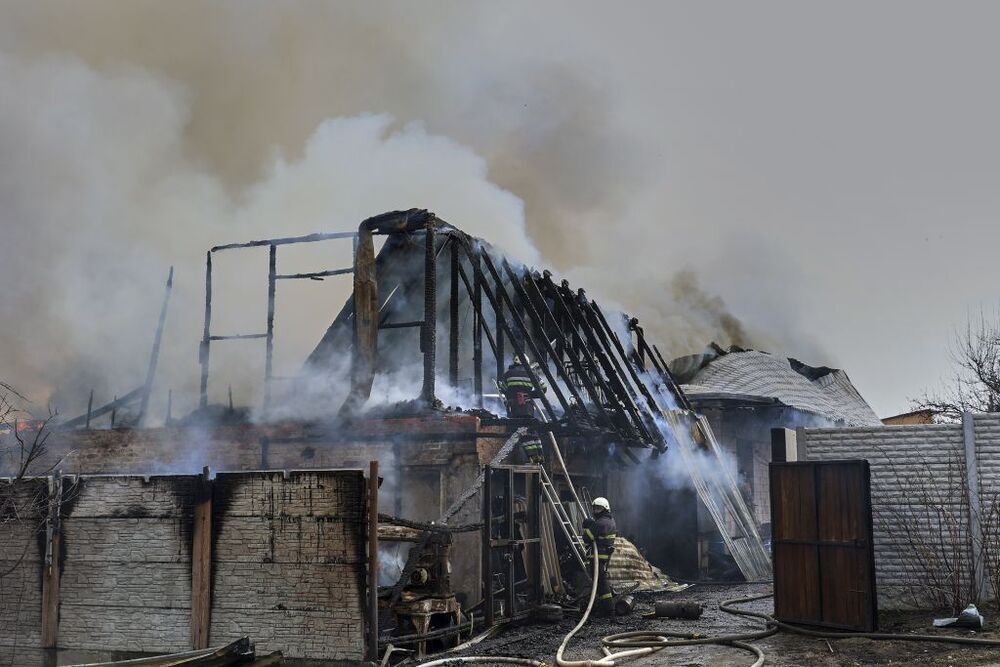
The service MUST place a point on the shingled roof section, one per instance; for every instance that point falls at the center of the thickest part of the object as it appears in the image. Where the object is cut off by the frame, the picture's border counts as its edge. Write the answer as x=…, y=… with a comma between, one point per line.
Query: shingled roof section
x=826, y=392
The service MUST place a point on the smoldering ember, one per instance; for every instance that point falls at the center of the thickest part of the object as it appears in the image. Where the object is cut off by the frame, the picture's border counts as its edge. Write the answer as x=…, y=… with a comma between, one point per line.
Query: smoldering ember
x=548, y=334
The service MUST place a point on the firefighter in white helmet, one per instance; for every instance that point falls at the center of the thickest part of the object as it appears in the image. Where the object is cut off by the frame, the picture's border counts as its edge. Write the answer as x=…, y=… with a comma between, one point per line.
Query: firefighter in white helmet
x=601, y=532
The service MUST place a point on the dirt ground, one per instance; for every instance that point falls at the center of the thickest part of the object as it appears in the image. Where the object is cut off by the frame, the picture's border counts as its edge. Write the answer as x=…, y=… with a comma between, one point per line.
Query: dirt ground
x=785, y=649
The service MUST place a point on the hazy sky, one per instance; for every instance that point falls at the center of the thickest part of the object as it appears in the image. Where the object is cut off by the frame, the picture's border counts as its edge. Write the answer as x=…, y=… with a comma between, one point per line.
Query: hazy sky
x=829, y=171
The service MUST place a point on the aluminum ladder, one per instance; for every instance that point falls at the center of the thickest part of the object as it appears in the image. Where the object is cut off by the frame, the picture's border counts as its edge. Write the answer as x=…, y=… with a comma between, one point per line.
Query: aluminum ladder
x=579, y=547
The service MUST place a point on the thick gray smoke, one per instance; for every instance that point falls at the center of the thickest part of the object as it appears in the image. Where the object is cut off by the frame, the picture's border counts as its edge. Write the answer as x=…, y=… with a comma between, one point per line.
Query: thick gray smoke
x=136, y=135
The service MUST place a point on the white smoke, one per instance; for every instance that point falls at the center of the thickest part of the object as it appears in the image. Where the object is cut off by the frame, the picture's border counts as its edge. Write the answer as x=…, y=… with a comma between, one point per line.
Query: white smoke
x=98, y=197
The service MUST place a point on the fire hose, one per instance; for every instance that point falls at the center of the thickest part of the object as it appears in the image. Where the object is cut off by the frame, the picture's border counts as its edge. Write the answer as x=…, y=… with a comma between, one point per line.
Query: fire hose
x=643, y=643
x=490, y=659
x=660, y=640
x=640, y=643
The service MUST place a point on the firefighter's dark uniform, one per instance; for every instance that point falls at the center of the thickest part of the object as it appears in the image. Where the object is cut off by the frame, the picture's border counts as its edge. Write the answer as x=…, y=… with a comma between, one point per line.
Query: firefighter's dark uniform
x=520, y=392
x=602, y=531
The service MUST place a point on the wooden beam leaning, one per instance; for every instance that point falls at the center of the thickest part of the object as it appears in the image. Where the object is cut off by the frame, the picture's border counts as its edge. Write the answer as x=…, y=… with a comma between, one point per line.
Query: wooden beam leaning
x=528, y=340
x=154, y=355
x=477, y=306
x=502, y=325
x=581, y=345
x=201, y=563
x=565, y=343
x=536, y=319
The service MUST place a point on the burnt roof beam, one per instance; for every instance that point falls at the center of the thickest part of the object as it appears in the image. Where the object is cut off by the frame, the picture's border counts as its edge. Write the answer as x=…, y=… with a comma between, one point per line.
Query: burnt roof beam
x=588, y=385
x=614, y=377
x=535, y=319
x=622, y=355
x=535, y=350
x=502, y=325
x=575, y=326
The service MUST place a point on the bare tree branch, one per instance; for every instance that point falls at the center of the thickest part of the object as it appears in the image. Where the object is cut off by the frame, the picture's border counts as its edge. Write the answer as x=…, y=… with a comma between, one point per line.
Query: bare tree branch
x=975, y=386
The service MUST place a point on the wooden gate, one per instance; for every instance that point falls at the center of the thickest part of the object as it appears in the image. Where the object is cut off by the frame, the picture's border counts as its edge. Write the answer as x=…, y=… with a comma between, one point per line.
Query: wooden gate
x=824, y=564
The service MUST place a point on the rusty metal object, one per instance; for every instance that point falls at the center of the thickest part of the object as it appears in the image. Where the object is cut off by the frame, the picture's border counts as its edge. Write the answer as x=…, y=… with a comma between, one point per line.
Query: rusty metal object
x=624, y=605
x=685, y=609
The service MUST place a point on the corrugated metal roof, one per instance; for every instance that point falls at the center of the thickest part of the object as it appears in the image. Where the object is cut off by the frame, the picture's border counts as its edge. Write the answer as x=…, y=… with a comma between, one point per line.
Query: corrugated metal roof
x=830, y=395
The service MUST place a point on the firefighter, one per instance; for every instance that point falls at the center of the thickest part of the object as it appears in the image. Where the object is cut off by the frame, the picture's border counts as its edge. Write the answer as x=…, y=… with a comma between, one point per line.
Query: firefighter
x=518, y=390
x=519, y=394
x=601, y=532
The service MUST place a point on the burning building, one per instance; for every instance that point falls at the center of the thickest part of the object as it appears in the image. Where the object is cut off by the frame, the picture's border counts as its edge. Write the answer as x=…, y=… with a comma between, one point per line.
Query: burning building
x=406, y=383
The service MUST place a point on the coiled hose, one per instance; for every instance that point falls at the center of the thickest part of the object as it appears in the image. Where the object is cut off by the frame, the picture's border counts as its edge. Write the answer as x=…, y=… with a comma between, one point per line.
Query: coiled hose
x=656, y=641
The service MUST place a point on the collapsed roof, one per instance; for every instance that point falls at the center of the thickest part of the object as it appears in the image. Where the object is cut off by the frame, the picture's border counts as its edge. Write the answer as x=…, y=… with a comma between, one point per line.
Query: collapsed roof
x=742, y=374
x=439, y=314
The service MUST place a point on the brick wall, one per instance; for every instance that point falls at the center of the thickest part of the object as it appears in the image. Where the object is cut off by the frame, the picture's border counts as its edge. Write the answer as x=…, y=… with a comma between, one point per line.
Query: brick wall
x=918, y=476
x=288, y=564
x=291, y=445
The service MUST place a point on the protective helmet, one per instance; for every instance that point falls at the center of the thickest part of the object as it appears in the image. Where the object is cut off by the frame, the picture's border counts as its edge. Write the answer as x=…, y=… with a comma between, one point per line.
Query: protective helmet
x=602, y=503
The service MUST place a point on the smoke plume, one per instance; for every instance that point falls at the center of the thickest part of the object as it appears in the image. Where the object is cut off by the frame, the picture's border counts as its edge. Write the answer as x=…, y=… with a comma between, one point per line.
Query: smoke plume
x=137, y=135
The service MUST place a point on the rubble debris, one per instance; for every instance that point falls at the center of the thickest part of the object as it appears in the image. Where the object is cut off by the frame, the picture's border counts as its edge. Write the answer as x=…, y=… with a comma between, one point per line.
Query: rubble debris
x=630, y=571
x=969, y=618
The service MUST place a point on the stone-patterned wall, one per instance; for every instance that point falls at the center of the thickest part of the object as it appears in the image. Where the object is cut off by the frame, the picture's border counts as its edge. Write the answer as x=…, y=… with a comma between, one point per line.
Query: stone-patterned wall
x=127, y=546
x=426, y=462
x=22, y=557
x=918, y=474
x=288, y=564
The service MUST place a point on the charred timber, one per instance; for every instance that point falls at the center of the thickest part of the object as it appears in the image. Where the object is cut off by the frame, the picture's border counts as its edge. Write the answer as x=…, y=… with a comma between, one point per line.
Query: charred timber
x=429, y=338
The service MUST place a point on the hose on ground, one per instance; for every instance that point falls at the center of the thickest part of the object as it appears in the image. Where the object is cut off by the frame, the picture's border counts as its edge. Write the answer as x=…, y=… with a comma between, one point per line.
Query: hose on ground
x=771, y=621
x=491, y=659
x=583, y=619
x=609, y=659
x=661, y=640
x=643, y=642
x=656, y=641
